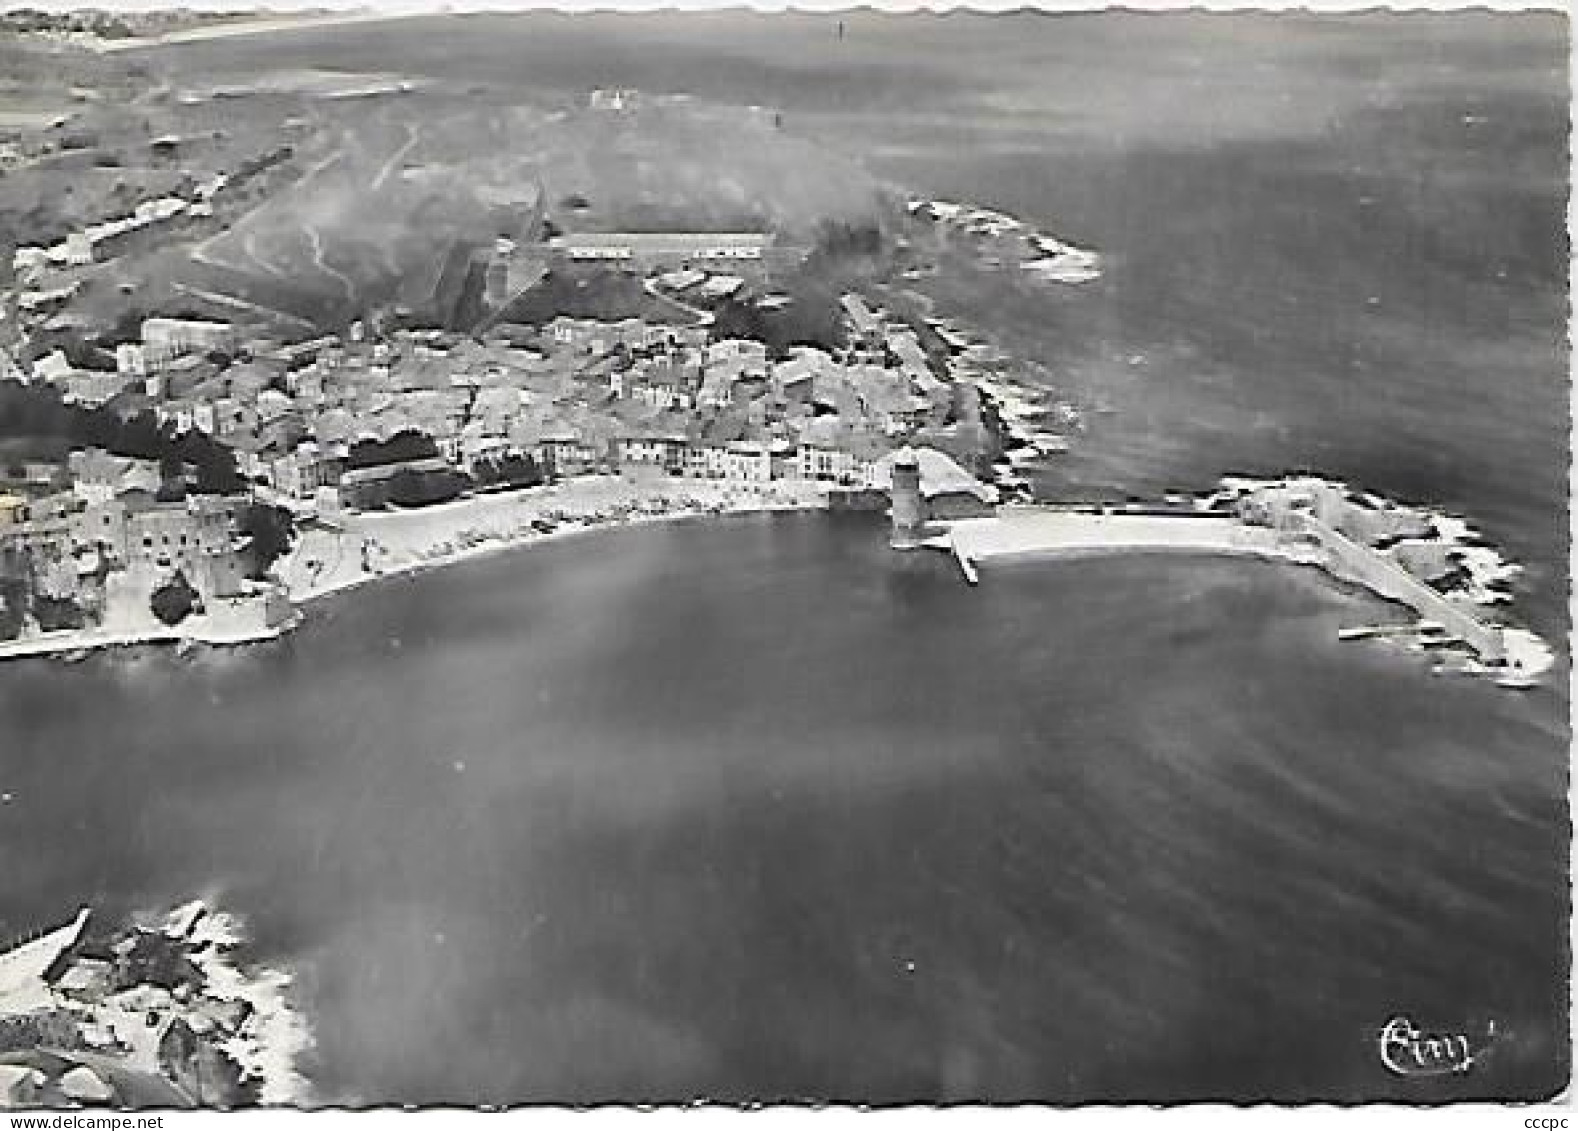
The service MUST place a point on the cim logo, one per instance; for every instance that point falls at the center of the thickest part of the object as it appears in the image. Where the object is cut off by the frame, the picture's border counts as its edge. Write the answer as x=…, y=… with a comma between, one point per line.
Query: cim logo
x=1406, y=1050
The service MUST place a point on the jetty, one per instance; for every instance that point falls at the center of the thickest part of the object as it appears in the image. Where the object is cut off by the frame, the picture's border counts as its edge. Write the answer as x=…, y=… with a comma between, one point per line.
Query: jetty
x=24, y=969
x=1025, y=531
x=1056, y=531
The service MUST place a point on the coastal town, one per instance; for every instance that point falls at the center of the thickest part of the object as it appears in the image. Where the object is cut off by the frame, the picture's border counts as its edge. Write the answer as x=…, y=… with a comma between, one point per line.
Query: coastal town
x=293, y=441
x=195, y=472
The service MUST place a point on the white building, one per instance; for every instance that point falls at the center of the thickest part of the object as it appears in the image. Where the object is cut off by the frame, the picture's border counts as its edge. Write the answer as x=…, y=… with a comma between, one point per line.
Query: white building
x=53, y=366
x=834, y=464
x=131, y=360
x=29, y=261
x=666, y=453
x=167, y=338
x=669, y=250
x=92, y=387
x=77, y=250
x=748, y=462
x=616, y=99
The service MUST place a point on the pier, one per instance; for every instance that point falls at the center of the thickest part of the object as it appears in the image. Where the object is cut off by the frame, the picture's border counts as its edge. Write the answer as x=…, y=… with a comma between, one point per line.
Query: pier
x=1050, y=531
x=24, y=968
x=1067, y=531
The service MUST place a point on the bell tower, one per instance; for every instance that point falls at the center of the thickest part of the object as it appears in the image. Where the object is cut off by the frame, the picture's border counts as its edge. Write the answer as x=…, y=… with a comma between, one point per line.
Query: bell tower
x=908, y=510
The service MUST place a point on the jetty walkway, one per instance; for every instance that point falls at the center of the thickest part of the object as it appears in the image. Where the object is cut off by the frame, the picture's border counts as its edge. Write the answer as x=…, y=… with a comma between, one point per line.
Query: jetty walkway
x=1061, y=531
x=1050, y=531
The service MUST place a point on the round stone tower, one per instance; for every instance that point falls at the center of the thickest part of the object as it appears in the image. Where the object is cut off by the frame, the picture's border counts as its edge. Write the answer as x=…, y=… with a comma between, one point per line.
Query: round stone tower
x=908, y=510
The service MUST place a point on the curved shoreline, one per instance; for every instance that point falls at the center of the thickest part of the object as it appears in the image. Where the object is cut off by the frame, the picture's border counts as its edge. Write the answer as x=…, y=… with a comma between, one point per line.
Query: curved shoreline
x=331, y=558
x=1514, y=656
x=483, y=525
x=493, y=546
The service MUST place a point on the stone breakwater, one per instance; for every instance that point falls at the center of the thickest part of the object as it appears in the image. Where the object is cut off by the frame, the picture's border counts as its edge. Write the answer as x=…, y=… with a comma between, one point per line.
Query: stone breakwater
x=1435, y=565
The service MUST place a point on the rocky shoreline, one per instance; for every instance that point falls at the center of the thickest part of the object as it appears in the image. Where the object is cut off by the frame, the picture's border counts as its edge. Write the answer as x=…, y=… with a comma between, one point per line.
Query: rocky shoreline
x=167, y=1011
x=1443, y=553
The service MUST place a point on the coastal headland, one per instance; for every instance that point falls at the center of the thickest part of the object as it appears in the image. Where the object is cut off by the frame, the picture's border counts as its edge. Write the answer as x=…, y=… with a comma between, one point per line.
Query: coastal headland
x=1269, y=528
x=163, y=1013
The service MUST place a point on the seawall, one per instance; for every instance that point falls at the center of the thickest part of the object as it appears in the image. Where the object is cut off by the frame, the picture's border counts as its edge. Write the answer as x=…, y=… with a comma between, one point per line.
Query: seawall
x=1377, y=572
x=1061, y=532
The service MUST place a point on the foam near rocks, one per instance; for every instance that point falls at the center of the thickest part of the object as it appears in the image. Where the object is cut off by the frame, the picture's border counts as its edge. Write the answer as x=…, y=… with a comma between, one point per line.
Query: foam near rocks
x=1041, y=256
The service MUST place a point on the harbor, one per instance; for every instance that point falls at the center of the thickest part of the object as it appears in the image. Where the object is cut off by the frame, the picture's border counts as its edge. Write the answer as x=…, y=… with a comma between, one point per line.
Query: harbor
x=1052, y=531
x=1418, y=560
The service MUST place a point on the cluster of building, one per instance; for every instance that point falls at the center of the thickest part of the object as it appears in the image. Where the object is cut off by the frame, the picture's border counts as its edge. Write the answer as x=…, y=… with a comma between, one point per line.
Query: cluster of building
x=340, y=422
x=351, y=420
x=94, y=553
x=102, y=240
x=574, y=395
x=169, y=351
x=48, y=276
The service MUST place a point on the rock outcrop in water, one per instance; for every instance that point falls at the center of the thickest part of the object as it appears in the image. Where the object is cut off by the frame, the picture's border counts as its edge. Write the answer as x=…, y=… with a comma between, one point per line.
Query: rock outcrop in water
x=161, y=1015
x=1002, y=238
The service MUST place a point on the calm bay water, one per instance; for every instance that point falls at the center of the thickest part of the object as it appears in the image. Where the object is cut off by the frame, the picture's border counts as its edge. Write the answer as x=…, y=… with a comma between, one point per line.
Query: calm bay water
x=753, y=808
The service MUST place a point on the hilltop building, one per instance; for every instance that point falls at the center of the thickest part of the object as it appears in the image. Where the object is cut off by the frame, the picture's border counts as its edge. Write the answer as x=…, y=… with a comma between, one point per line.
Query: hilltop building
x=186, y=335
x=673, y=251
x=615, y=99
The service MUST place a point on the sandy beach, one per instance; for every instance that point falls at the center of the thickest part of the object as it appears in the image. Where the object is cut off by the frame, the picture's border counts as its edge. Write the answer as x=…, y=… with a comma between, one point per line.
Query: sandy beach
x=336, y=554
